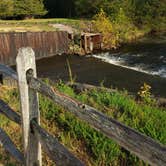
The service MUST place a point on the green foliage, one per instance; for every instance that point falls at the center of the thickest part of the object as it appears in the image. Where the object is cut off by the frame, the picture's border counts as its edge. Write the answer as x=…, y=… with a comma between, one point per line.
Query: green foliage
x=60, y=8
x=148, y=12
x=145, y=94
x=29, y=8
x=102, y=24
x=6, y=8
x=123, y=27
x=36, y=8
x=21, y=8
x=142, y=14
x=87, y=8
x=115, y=30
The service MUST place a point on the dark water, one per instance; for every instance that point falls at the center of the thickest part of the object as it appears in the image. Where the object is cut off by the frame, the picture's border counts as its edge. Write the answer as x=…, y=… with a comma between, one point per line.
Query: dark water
x=127, y=69
x=144, y=57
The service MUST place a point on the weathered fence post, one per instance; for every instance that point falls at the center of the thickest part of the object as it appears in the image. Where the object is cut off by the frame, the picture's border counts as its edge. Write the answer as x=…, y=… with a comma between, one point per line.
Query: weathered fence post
x=29, y=106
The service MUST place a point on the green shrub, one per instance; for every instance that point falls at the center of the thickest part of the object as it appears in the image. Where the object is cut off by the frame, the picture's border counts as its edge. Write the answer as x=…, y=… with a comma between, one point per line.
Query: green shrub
x=145, y=94
x=6, y=8
x=103, y=25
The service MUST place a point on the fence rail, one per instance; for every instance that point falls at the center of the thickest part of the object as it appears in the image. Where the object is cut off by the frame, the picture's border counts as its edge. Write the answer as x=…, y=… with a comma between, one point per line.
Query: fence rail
x=142, y=146
x=54, y=149
x=10, y=147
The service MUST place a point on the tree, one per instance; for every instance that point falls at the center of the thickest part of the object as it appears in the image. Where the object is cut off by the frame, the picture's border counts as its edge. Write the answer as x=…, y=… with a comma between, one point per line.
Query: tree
x=29, y=8
x=6, y=8
x=151, y=13
x=103, y=25
x=36, y=8
x=88, y=8
x=56, y=8
x=155, y=14
x=51, y=6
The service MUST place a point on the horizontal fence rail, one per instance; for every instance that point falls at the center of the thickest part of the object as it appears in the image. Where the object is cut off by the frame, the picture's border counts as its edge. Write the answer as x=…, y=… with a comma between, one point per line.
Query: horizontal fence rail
x=8, y=112
x=142, y=146
x=5, y=70
x=7, y=143
x=54, y=149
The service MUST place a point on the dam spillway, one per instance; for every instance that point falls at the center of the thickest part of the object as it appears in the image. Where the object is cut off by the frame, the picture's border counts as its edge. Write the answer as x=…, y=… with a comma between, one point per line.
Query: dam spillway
x=44, y=44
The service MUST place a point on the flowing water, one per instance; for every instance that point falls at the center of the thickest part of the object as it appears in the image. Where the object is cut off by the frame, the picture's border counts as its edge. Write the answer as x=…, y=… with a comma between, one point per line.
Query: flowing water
x=127, y=68
x=144, y=57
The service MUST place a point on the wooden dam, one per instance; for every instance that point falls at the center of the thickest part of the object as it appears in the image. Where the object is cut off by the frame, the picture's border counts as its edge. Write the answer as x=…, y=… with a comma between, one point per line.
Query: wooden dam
x=44, y=44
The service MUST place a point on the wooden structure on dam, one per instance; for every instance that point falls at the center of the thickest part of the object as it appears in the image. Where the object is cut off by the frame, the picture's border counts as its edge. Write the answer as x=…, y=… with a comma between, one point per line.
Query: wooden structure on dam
x=43, y=43
x=91, y=42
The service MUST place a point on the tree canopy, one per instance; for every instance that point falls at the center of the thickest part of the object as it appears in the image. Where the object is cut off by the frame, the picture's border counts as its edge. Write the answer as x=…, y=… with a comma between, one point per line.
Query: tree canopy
x=149, y=12
x=6, y=8
x=21, y=8
x=139, y=12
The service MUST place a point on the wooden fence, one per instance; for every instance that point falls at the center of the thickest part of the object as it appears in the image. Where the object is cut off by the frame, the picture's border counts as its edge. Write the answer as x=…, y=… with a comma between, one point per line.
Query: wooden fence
x=34, y=136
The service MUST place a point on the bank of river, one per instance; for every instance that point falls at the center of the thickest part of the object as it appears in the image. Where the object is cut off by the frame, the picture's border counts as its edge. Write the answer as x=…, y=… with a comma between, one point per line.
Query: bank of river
x=94, y=70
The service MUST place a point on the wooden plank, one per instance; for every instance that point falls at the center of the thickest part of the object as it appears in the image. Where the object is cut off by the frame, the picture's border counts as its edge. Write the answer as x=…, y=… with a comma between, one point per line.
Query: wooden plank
x=85, y=44
x=8, y=71
x=29, y=105
x=9, y=146
x=54, y=149
x=142, y=146
x=10, y=113
x=57, y=152
x=79, y=87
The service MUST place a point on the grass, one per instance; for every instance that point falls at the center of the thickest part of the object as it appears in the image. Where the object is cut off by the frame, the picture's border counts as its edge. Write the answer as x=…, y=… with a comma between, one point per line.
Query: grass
x=42, y=21
x=89, y=145
x=35, y=24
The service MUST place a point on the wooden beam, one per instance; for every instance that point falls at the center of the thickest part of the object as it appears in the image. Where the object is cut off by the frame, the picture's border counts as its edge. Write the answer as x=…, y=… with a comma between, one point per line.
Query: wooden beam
x=142, y=146
x=29, y=105
x=79, y=87
x=9, y=146
x=10, y=113
x=57, y=152
x=8, y=71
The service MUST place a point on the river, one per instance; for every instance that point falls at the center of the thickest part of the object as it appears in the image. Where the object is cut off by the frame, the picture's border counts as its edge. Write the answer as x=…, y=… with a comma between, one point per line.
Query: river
x=127, y=68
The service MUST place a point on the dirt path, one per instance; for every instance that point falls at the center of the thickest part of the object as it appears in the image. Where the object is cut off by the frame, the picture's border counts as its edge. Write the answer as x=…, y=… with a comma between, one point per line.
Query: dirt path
x=62, y=27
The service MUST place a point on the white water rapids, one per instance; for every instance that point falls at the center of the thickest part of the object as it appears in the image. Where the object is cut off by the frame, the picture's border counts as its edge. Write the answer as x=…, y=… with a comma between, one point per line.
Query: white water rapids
x=127, y=61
